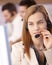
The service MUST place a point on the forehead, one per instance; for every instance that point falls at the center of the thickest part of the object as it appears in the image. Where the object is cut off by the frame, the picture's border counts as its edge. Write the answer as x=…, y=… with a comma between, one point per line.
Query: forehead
x=6, y=12
x=36, y=16
x=22, y=7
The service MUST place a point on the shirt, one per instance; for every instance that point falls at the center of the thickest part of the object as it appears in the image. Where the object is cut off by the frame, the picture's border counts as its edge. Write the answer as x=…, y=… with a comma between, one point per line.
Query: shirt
x=17, y=25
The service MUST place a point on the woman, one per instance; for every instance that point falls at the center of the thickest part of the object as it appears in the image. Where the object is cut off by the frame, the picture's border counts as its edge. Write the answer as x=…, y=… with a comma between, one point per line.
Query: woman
x=37, y=38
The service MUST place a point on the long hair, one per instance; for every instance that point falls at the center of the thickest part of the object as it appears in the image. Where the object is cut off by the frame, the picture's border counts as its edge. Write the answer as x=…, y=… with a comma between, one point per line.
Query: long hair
x=26, y=37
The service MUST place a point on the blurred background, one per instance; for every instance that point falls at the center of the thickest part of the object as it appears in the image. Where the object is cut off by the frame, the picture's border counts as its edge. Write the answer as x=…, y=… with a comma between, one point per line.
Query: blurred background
x=47, y=3
x=17, y=1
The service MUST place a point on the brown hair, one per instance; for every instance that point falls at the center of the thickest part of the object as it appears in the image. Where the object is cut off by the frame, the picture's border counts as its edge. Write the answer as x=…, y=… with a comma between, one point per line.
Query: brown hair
x=27, y=3
x=25, y=33
x=10, y=7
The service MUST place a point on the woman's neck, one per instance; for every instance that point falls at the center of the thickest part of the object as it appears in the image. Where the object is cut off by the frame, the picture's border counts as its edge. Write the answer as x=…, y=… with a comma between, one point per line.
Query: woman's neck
x=39, y=46
x=40, y=49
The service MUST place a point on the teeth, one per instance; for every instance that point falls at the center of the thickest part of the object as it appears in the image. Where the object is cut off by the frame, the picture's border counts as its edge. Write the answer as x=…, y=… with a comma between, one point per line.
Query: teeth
x=38, y=35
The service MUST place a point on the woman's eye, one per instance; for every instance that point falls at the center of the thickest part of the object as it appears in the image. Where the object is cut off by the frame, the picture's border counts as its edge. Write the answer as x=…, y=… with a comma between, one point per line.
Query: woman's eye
x=30, y=23
x=40, y=22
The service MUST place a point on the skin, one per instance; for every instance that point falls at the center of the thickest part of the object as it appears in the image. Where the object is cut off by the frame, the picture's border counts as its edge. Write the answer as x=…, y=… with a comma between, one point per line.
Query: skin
x=7, y=16
x=37, y=25
x=22, y=10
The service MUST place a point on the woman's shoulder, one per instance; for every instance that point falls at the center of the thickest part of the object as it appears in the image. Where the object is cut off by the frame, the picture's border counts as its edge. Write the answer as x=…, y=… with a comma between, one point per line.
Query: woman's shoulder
x=18, y=46
x=16, y=53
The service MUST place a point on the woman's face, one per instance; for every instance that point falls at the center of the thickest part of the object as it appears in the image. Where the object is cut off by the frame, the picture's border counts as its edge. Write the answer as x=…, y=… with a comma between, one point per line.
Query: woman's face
x=36, y=23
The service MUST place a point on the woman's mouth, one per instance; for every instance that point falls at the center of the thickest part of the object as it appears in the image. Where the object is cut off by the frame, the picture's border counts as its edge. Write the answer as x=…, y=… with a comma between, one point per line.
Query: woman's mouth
x=37, y=35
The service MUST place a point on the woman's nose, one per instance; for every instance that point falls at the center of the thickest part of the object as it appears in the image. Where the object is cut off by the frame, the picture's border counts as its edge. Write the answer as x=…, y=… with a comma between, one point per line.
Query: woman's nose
x=36, y=27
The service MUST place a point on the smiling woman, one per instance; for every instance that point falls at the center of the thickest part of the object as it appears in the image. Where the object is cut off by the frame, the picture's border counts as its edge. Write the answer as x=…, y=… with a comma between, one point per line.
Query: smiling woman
x=37, y=21
x=36, y=48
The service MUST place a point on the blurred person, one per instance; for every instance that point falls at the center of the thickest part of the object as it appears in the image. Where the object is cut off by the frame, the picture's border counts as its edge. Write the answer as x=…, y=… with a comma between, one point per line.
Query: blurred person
x=23, y=6
x=36, y=48
x=13, y=20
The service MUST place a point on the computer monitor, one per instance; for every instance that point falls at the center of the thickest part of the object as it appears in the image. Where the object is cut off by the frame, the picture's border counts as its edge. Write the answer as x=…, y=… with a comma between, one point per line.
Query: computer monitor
x=5, y=58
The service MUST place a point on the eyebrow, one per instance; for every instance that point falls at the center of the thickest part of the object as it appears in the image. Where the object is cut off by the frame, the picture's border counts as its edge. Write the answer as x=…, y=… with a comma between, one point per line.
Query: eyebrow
x=37, y=21
x=40, y=20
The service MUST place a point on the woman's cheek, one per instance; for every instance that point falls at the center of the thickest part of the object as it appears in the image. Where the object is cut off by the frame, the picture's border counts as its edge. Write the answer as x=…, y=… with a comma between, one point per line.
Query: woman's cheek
x=42, y=27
